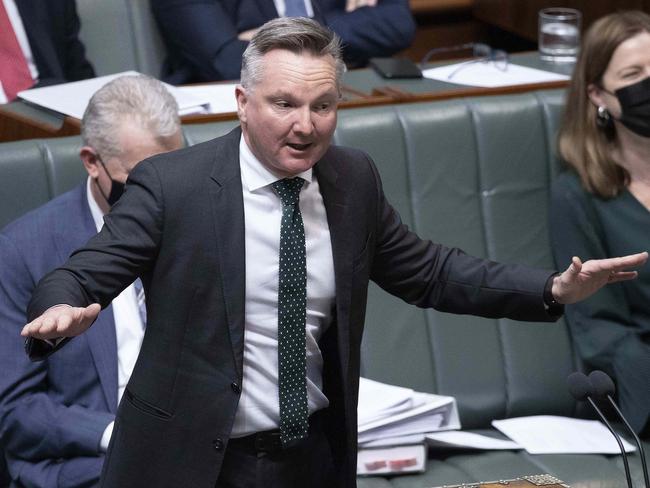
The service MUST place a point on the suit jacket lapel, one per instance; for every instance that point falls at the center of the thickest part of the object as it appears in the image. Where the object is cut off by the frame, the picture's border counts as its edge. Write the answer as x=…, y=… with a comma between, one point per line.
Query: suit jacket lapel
x=72, y=233
x=336, y=206
x=228, y=218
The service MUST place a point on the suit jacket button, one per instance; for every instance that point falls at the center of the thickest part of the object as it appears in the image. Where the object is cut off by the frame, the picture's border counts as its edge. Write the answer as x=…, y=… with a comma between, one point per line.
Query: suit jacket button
x=217, y=444
x=235, y=387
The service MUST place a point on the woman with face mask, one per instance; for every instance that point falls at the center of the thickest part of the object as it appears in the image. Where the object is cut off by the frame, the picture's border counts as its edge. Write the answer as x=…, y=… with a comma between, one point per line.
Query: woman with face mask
x=601, y=205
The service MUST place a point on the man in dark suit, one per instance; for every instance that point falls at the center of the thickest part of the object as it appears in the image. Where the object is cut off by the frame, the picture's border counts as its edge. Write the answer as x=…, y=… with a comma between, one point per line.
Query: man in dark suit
x=256, y=250
x=50, y=50
x=56, y=416
x=206, y=39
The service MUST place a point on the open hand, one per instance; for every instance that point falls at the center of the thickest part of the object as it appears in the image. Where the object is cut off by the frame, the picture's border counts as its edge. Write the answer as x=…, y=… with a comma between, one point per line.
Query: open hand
x=62, y=321
x=581, y=280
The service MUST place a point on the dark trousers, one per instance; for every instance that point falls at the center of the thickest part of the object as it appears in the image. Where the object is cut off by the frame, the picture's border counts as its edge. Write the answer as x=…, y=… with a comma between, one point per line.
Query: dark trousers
x=308, y=464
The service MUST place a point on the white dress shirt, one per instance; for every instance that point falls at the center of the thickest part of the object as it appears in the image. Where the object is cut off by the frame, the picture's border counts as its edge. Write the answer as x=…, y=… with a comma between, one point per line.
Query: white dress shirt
x=258, y=408
x=21, y=35
x=129, y=329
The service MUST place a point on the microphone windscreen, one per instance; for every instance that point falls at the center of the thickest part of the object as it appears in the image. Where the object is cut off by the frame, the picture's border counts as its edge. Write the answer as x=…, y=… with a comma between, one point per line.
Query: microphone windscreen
x=579, y=386
x=601, y=383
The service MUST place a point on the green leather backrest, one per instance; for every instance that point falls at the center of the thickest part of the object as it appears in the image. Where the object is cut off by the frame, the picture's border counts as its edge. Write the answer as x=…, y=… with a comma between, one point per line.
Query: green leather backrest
x=35, y=171
x=121, y=35
x=473, y=173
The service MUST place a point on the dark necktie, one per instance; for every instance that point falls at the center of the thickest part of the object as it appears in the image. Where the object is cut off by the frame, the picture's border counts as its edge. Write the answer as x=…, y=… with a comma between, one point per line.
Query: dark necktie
x=292, y=302
x=14, y=72
x=295, y=8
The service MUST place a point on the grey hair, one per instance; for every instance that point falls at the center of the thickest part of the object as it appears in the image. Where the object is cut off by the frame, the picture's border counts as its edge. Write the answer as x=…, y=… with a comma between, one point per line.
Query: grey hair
x=138, y=99
x=295, y=34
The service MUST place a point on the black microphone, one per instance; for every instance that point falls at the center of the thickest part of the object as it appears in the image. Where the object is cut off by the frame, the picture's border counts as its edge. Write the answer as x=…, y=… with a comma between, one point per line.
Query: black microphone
x=604, y=386
x=581, y=389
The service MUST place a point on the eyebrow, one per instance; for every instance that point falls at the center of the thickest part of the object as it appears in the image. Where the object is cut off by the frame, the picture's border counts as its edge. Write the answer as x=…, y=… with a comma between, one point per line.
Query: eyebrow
x=289, y=95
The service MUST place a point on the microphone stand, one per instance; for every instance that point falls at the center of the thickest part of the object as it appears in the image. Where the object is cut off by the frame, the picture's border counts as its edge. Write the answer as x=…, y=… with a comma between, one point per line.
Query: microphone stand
x=636, y=440
x=618, y=439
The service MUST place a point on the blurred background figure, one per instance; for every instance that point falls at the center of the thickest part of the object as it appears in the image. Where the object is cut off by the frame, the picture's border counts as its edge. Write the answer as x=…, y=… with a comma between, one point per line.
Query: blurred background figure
x=56, y=416
x=206, y=39
x=39, y=45
x=601, y=207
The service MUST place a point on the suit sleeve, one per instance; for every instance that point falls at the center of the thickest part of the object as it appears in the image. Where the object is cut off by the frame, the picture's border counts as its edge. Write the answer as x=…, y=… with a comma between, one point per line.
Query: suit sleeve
x=201, y=34
x=76, y=66
x=33, y=424
x=82, y=472
x=121, y=252
x=368, y=32
x=427, y=274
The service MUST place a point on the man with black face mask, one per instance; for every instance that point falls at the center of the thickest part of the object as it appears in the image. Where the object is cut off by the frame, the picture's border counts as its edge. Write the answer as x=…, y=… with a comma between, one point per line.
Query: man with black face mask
x=56, y=417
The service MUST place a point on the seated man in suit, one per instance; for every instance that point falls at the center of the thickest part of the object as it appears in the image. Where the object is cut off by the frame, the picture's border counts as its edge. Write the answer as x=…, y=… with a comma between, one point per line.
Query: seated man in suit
x=56, y=417
x=206, y=39
x=39, y=45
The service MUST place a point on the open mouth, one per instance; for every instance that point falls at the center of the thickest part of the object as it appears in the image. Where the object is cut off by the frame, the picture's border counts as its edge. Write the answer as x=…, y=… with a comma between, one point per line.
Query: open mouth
x=299, y=147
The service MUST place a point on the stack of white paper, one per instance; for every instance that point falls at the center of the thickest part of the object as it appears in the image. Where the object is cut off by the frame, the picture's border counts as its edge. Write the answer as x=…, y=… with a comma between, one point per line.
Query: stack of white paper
x=72, y=98
x=468, y=440
x=389, y=412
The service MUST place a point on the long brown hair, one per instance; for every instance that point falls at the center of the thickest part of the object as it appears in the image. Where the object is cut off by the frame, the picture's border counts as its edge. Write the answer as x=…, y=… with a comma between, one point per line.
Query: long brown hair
x=582, y=143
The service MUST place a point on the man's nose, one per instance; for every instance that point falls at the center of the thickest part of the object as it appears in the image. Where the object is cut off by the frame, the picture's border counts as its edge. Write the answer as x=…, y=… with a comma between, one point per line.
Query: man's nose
x=303, y=122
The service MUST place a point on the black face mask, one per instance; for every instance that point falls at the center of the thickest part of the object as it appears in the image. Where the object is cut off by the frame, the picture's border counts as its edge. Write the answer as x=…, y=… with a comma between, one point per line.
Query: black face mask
x=635, y=107
x=117, y=187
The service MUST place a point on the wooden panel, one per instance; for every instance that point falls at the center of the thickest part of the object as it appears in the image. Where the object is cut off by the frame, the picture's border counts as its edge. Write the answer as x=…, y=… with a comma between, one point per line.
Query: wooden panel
x=451, y=33
x=436, y=6
x=520, y=17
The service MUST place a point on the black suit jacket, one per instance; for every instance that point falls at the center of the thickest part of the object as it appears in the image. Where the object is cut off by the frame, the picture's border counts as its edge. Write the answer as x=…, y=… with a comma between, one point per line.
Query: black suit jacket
x=180, y=225
x=52, y=28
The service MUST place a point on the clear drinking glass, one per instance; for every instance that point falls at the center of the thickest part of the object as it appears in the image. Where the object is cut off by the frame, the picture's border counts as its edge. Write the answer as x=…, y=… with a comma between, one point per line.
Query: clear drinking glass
x=559, y=34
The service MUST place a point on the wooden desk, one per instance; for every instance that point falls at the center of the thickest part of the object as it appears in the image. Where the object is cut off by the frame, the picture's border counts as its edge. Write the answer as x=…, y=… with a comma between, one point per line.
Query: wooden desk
x=423, y=90
x=19, y=120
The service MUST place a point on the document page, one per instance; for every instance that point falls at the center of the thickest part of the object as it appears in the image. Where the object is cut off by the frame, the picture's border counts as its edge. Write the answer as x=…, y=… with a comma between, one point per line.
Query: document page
x=548, y=434
x=72, y=98
x=220, y=96
x=486, y=74
x=457, y=438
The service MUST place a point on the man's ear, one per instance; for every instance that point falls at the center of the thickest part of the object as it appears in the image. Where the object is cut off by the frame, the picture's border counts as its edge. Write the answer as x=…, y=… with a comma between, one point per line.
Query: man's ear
x=242, y=101
x=89, y=158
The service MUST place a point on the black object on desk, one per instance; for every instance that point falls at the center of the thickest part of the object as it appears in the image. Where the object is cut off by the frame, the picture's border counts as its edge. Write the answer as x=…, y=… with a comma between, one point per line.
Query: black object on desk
x=395, y=68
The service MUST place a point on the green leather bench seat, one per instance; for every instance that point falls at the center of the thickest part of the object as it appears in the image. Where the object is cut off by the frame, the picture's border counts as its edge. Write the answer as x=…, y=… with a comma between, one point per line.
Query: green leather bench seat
x=473, y=173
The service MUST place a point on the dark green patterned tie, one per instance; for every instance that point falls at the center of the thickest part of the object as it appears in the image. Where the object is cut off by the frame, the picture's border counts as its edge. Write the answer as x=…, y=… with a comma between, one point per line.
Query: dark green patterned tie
x=292, y=304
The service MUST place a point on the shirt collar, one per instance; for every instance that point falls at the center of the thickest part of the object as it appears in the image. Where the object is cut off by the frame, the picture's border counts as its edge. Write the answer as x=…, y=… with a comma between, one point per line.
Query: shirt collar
x=96, y=212
x=254, y=174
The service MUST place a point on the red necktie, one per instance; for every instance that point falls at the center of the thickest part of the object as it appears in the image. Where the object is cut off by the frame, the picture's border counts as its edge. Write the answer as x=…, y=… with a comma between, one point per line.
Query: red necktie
x=14, y=72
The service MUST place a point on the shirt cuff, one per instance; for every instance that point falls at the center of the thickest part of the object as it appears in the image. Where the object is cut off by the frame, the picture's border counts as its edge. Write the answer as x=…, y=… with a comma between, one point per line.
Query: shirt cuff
x=106, y=437
x=554, y=308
